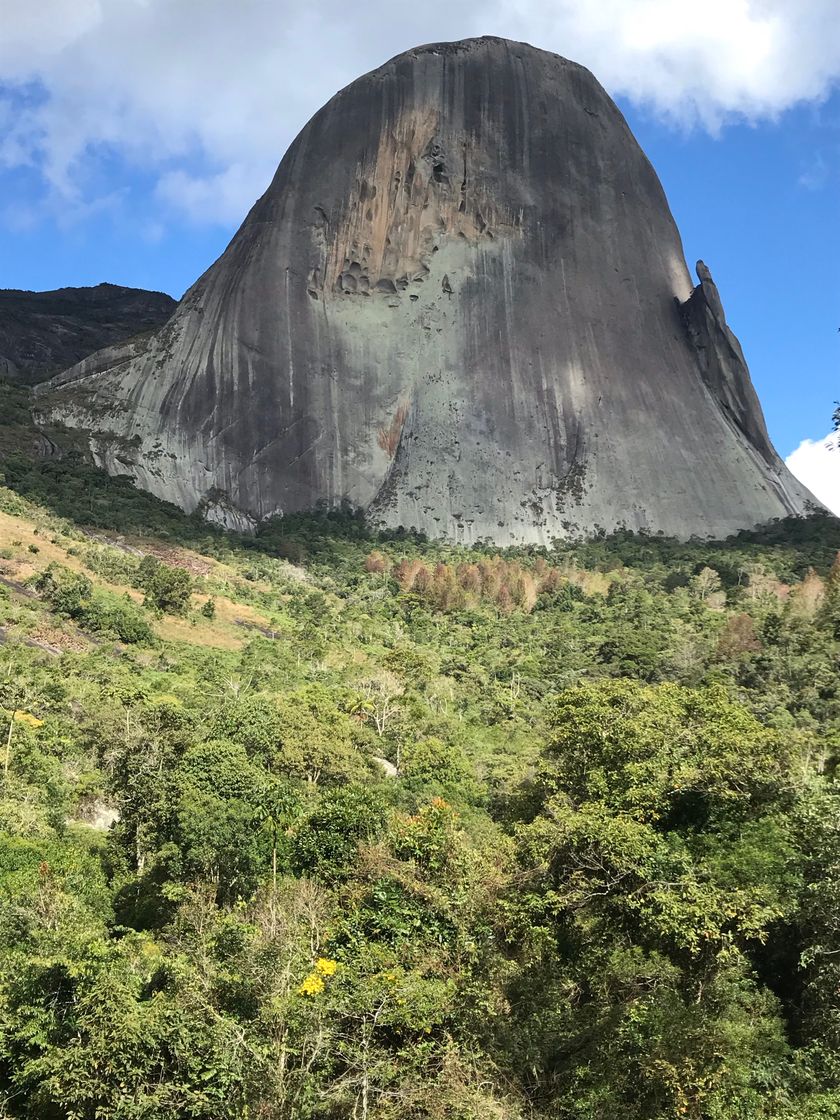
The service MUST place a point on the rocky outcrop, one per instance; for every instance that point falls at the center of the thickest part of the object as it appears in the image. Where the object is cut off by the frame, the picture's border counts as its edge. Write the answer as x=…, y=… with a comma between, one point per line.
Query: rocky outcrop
x=463, y=305
x=42, y=333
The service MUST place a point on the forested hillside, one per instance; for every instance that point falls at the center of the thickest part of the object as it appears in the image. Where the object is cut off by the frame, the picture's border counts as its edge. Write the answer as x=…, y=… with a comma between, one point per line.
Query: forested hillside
x=321, y=824
x=42, y=333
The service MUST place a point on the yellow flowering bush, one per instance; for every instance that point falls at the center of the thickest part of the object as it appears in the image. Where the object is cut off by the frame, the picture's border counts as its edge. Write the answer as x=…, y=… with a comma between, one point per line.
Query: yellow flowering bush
x=314, y=984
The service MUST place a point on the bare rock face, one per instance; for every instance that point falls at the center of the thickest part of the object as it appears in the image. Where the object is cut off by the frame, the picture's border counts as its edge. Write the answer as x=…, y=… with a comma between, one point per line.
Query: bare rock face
x=42, y=333
x=462, y=304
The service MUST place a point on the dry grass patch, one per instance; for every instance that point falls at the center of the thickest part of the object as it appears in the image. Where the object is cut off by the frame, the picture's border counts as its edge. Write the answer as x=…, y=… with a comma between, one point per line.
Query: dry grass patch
x=225, y=631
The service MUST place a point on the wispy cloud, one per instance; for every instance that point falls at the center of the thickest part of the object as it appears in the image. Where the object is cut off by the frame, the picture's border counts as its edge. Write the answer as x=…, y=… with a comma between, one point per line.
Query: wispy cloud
x=222, y=196
x=815, y=176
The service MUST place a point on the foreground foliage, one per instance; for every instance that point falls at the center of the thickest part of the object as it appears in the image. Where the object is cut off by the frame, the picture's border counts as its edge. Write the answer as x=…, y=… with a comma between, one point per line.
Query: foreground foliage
x=401, y=830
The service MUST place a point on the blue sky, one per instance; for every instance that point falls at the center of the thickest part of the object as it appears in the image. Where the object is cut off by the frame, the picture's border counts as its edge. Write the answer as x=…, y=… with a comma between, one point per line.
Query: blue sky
x=761, y=205
x=134, y=134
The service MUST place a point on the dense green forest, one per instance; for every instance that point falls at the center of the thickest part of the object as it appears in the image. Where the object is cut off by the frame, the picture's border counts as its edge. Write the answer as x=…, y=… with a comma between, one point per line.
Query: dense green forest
x=321, y=823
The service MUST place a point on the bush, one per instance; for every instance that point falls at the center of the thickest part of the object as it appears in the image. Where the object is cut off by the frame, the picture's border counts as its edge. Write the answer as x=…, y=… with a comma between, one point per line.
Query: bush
x=167, y=589
x=324, y=845
x=71, y=595
x=67, y=592
x=111, y=565
x=123, y=620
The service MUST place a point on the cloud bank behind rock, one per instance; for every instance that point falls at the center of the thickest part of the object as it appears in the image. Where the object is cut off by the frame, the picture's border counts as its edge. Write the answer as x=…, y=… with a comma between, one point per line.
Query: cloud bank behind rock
x=203, y=96
x=816, y=463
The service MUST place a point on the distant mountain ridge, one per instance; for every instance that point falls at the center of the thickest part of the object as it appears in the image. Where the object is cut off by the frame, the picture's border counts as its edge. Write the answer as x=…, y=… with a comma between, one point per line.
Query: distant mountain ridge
x=41, y=333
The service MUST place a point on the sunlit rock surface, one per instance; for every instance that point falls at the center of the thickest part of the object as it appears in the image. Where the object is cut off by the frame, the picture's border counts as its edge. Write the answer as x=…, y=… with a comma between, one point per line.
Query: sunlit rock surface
x=461, y=304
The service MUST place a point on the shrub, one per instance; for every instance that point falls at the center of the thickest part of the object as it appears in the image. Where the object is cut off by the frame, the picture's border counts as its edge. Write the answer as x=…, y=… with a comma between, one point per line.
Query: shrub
x=71, y=595
x=66, y=592
x=167, y=589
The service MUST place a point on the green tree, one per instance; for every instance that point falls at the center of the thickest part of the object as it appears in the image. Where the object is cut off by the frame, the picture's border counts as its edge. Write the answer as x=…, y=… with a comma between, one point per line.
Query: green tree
x=302, y=734
x=168, y=589
x=660, y=858
x=218, y=814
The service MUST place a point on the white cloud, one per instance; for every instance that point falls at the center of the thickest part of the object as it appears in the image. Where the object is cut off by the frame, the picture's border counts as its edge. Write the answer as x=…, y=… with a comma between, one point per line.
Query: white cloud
x=816, y=463
x=207, y=94
x=752, y=58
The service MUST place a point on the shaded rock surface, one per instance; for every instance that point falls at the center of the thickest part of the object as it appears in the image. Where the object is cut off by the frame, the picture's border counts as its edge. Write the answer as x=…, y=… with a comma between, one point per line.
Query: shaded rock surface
x=463, y=305
x=42, y=333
